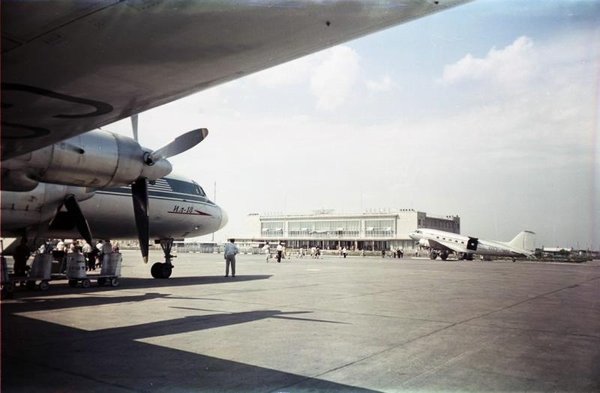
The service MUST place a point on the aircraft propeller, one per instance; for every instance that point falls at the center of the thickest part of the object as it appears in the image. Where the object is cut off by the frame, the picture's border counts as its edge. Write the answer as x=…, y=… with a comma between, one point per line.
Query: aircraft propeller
x=139, y=188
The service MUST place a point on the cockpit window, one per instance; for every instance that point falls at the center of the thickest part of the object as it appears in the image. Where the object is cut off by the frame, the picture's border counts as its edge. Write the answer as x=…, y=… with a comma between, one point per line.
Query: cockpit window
x=184, y=187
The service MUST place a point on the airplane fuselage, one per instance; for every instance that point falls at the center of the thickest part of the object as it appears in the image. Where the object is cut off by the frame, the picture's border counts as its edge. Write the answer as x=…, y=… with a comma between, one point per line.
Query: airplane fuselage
x=448, y=242
x=178, y=208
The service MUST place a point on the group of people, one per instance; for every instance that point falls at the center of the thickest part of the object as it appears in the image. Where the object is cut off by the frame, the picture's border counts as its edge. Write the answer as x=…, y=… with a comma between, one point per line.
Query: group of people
x=279, y=252
x=399, y=253
x=59, y=249
x=93, y=255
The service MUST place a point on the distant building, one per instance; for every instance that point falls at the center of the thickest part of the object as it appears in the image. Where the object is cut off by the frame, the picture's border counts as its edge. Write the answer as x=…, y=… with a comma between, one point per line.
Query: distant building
x=370, y=231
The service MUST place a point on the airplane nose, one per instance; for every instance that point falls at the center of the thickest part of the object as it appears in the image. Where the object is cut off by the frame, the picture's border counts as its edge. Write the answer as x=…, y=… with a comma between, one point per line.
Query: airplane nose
x=224, y=218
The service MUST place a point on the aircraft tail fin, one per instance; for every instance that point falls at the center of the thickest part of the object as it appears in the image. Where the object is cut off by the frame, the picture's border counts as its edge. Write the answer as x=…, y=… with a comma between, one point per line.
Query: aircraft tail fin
x=524, y=241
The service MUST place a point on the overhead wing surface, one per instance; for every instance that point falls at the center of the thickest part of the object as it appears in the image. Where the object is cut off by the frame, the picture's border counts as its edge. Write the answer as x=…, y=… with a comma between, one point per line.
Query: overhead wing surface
x=70, y=67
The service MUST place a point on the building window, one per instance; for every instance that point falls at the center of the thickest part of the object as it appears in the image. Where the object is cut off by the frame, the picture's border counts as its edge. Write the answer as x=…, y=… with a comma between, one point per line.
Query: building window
x=272, y=229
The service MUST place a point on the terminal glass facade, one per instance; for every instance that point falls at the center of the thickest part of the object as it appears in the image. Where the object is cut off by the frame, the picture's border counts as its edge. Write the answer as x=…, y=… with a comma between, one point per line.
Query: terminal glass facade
x=371, y=231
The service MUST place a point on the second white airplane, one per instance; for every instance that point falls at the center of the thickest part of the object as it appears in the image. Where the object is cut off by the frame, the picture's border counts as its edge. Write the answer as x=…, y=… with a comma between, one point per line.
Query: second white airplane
x=441, y=243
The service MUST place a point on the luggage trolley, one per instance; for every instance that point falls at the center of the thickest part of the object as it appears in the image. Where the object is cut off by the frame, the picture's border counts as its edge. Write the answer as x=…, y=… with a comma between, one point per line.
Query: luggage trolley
x=109, y=274
x=8, y=286
x=76, y=270
x=111, y=269
x=41, y=270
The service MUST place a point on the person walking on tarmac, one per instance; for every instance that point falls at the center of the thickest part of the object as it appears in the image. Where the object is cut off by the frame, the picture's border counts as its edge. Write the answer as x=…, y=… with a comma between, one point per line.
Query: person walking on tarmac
x=230, y=251
x=279, y=252
x=21, y=256
x=267, y=251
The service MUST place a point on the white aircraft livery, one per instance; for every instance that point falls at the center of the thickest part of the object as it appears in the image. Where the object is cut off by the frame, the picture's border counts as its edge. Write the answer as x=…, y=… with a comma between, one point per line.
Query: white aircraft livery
x=441, y=243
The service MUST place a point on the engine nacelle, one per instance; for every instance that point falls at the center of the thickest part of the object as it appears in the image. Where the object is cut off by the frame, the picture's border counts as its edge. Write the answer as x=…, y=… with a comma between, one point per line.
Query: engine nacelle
x=96, y=159
x=21, y=211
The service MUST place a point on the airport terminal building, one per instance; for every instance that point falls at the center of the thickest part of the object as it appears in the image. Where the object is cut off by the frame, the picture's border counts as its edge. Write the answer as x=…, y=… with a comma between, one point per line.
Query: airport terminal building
x=369, y=231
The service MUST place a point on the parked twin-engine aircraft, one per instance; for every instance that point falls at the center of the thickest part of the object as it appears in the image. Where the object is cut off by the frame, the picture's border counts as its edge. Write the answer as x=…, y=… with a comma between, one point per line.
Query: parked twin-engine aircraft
x=72, y=67
x=442, y=243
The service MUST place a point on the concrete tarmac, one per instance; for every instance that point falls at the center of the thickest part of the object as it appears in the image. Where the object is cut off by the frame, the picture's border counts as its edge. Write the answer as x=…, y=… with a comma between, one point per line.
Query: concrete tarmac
x=355, y=324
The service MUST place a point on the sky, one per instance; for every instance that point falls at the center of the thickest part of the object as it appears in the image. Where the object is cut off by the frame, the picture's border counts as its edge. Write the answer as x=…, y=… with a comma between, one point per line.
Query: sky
x=489, y=111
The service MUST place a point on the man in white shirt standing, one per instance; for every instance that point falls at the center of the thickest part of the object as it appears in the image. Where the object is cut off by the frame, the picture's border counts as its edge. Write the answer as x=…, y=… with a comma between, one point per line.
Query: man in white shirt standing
x=230, y=251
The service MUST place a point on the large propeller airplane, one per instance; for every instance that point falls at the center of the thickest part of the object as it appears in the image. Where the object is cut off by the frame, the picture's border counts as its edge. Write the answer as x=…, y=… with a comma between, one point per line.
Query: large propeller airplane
x=95, y=177
x=442, y=243
x=72, y=67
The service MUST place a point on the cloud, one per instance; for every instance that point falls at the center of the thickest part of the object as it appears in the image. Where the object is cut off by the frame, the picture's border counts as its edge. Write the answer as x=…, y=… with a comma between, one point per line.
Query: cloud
x=333, y=80
x=329, y=77
x=509, y=66
x=384, y=84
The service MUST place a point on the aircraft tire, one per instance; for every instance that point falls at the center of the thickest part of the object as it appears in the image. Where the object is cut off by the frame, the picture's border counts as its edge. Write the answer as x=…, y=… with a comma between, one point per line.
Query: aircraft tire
x=44, y=285
x=161, y=270
x=86, y=283
x=433, y=256
x=156, y=270
x=114, y=282
x=166, y=270
x=444, y=256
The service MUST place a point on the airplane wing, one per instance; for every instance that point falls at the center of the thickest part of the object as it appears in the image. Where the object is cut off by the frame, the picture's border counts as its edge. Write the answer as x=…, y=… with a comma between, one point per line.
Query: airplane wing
x=71, y=66
x=449, y=246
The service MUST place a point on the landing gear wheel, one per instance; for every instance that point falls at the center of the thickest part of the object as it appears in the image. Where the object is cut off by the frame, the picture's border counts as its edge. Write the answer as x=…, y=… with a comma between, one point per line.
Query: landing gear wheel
x=114, y=282
x=444, y=256
x=44, y=285
x=155, y=270
x=433, y=256
x=161, y=270
x=86, y=283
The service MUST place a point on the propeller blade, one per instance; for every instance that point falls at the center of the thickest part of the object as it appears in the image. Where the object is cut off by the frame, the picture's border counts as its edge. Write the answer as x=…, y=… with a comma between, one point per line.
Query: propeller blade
x=77, y=215
x=134, y=127
x=180, y=144
x=139, y=193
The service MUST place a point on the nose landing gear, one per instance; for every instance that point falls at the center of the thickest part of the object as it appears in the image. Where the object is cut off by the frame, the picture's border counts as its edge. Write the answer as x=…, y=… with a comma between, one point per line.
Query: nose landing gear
x=160, y=269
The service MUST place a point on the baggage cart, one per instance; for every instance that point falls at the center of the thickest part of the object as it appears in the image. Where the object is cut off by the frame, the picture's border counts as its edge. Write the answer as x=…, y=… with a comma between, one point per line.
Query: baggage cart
x=41, y=270
x=76, y=270
x=8, y=286
x=109, y=273
x=111, y=269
